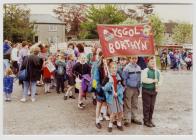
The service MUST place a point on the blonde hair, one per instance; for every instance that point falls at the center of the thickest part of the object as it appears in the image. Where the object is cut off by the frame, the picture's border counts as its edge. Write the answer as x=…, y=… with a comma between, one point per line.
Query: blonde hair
x=35, y=50
x=71, y=57
x=8, y=72
x=82, y=55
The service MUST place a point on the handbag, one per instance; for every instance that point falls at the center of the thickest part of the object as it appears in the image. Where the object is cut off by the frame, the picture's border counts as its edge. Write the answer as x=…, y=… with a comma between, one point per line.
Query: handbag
x=22, y=75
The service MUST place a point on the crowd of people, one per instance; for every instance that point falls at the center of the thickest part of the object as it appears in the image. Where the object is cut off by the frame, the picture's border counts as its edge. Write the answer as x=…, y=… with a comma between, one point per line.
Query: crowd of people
x=114, y=84
x=176, y=59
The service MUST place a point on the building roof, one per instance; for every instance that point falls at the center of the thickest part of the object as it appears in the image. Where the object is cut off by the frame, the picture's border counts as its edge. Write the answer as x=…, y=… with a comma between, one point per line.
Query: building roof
x=45, y=19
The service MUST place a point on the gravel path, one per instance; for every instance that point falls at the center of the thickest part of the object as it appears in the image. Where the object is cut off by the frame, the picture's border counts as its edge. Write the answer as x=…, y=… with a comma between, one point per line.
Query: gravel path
x=50, y=114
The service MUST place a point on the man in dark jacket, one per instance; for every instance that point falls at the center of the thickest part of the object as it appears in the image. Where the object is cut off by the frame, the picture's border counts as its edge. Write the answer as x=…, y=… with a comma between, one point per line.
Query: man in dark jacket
x=33, y=64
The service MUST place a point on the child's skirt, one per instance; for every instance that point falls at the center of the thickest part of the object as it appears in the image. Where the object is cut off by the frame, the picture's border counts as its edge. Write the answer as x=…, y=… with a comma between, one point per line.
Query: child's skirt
x=116, y=107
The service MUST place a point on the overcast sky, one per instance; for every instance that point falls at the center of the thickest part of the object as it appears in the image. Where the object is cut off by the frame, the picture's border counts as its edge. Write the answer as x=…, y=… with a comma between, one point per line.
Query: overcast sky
x=179, y=13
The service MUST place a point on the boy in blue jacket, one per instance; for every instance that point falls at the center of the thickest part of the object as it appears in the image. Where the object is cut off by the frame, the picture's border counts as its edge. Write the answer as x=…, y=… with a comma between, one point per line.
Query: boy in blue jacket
x=132, y=80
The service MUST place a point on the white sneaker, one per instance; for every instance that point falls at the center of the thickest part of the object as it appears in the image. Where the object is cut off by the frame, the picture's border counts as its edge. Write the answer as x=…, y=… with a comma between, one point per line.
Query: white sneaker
x=83, y=105
x=6, y=99
x=80, y=106
x=101, y=118
x=33, y=99
x=29, y=93
x=23, y=100
x=106, y=118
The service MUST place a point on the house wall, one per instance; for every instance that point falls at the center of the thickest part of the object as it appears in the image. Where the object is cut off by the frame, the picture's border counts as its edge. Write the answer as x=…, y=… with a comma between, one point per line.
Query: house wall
x=45, y=35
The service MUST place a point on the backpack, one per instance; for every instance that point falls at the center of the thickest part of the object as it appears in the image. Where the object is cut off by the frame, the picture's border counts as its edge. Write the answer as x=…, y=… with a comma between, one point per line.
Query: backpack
x=60, y=70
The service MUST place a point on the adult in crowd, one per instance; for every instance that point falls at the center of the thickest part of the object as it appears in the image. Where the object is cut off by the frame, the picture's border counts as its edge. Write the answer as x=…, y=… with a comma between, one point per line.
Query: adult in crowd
x=141, y=62
x=70, y=50
x=23, y=52
x=91, y=57
x=188, y=61
x=80, y=50
x=6, y=55
x=15, y=57
x=163, y=60
x=33, y=65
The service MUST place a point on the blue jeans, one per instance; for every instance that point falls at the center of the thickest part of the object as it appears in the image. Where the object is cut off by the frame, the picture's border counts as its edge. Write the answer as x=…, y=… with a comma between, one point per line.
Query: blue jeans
x=26, y=88
x=6, y=64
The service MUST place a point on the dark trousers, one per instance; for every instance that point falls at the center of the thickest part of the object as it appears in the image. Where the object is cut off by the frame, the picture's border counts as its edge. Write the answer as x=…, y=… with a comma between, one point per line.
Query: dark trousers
x=148, y=99
x=60, y=84
x=188, y=65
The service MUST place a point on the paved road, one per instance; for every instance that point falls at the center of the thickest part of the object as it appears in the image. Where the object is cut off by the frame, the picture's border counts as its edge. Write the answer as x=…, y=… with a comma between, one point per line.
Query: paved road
x=50, y=114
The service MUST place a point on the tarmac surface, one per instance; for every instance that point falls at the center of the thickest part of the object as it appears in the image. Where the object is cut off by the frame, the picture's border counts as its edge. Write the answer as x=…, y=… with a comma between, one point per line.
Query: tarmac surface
x=51, y=115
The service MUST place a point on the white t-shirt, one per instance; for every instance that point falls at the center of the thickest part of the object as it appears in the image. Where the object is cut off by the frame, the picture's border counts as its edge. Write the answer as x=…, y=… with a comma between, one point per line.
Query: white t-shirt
x=14, y=54
x=187, y=59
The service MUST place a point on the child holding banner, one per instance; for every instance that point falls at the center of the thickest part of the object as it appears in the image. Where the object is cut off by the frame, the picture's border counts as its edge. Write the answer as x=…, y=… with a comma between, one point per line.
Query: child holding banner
x=150, y=78
x=113, y=90
x=98, y=73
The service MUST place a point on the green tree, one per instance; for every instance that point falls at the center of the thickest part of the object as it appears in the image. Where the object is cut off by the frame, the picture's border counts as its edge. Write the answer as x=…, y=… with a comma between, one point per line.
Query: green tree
x=145, y=15
x=129, y=21
x=158, y=29
x=107, y=14
x=16, y=24
x=182, y=33
x=141, y=14
x=73, y=15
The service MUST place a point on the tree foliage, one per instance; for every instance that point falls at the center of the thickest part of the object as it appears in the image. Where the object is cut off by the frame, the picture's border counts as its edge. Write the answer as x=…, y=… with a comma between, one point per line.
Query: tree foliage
x=16, y=24
x=141, y=14
x=107, y=14
x=147, y=17
x=72, y=15
x=129, y=21
x=182, y=33
x=158, y=29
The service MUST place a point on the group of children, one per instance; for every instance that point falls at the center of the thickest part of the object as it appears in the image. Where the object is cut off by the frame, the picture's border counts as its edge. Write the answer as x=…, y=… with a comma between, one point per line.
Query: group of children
x=92, y=73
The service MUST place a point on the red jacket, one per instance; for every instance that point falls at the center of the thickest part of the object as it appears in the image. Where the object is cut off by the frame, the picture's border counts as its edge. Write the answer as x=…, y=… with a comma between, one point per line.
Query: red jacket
x=46, y=73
